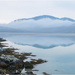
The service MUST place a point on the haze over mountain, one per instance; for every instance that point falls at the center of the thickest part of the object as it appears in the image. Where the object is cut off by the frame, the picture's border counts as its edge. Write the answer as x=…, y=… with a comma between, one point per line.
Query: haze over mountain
x=43, y=24
x=45, y=16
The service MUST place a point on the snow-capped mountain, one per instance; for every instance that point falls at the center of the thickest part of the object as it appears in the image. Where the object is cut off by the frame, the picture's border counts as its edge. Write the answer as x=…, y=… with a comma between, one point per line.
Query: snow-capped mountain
x=44, y=23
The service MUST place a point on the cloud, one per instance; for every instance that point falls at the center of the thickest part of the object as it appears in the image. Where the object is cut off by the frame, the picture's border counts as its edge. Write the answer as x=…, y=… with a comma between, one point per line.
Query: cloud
x=15, y=9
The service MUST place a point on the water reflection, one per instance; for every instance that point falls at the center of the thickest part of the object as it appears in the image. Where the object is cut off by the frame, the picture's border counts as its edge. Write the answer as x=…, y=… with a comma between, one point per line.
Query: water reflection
x=44, y=42
x=59, y=51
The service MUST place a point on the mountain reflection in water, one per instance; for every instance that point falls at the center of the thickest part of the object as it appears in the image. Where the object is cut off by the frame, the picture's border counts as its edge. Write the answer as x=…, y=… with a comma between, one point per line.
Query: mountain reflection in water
x=59, y=51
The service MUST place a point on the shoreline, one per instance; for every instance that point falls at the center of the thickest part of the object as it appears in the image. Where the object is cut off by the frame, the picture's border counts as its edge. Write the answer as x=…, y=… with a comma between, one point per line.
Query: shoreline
x=28, y=65
x=41, y=34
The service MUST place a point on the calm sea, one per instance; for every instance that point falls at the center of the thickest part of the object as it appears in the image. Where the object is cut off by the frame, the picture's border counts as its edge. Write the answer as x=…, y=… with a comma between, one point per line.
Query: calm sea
x=58, y=50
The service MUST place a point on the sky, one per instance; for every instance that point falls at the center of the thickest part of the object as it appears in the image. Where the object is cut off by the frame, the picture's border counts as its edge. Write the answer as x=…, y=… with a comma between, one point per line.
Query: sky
x=15, y=9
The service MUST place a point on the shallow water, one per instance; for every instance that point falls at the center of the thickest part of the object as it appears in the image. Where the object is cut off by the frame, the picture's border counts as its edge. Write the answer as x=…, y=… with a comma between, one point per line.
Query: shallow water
x=59, y=51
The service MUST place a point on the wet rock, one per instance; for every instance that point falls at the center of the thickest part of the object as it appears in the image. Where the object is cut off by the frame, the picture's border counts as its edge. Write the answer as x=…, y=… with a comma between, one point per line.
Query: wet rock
x=28, y=65
x=12, y=67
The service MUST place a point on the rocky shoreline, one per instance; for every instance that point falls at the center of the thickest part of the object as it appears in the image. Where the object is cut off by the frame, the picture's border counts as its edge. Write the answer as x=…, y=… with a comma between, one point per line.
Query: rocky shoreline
x=12, y=62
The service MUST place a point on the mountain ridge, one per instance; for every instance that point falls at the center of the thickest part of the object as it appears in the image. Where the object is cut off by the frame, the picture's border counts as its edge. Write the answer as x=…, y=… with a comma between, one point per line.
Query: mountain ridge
x=46, y=16
x=42, y=24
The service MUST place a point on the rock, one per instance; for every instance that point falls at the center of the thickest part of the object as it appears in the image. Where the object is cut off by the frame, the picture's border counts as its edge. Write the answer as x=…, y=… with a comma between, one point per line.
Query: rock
x=28, y=65
x=12, y=67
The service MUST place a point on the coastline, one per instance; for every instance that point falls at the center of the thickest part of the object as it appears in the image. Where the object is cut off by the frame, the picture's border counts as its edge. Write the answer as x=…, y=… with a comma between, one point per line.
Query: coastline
x=41, y=34
x=28, y=64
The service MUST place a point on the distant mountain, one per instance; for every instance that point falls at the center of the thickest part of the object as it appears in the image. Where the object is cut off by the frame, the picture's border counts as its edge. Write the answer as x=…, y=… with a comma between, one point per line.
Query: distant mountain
x=43, y=24
x=7, y=29
x=45, y=16
x=37, y=18
x=69, y=19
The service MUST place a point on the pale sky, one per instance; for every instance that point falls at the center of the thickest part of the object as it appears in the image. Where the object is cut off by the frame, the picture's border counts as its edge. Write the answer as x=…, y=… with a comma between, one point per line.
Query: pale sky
x=16, y=9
